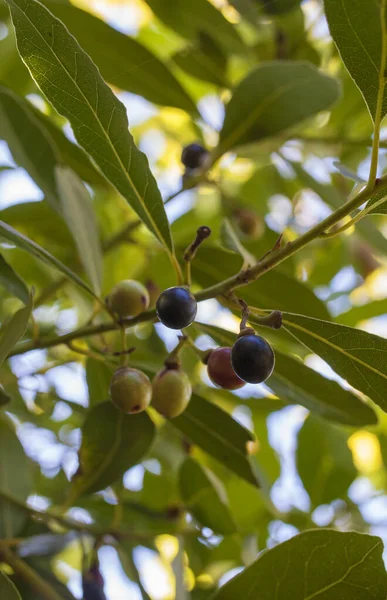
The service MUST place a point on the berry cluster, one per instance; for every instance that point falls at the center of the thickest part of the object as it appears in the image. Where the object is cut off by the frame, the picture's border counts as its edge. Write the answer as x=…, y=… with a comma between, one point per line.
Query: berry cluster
x=250, y=360
x=169, y=393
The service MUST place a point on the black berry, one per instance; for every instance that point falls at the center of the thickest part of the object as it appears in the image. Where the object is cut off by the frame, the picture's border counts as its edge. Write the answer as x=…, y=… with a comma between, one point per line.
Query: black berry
x=176, y=308
x=252, y=358
x=220, y=370
x=93, y=584
x=194, y=156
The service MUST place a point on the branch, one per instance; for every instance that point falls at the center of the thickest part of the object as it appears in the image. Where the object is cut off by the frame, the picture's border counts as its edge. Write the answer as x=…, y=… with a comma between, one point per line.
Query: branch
x=275, y=258
x=74, y=525
x=82, y=332
x=242, y=278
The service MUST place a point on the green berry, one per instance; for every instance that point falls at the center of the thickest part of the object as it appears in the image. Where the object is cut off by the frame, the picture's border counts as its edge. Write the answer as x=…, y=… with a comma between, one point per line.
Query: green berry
x=171, y=392
x=128, y=298
x=130, y=390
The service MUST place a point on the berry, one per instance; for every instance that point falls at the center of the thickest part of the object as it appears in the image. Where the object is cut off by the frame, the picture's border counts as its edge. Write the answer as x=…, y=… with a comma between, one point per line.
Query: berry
x=249, y=223
x=194, y=156
x=176, y=307
x=171, y=392
x=93, y=584
x=130, y=390
x=252, y=358
x=128, y=298
x=220, y=370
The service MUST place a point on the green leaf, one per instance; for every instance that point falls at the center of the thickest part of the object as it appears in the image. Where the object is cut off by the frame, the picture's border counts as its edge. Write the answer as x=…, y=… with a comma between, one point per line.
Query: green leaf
x=273, y=98
x=356, y=27
x=361, y=313
x=21, y=241
x=122, y=60
x=205, y=497
x=357, y=356
x=218, y=434
x=78, y=211
x=296, y=383
x=112, y=443
x=324, y=461
x=205, y=61
x=380, y=202
x=189, y=19
x=7, y=589
x=74, y=86
x=212, y=265
x=98, y=376
x=4, y=398
x=30, y=145
x=13, y=72
x=42, y=565
x=37, y=220
x=15, y=480
x=13, y=331
x=352, y=569
x=274, y=7
x=71, y=154
x=231, y=241
x=12, y=282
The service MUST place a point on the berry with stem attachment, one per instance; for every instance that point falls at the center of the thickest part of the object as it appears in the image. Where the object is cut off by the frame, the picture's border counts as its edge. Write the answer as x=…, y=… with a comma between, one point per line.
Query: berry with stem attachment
x=252, y=357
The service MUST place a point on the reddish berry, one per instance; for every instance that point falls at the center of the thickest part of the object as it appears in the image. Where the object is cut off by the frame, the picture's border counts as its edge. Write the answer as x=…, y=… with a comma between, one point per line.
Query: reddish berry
x=220, y=370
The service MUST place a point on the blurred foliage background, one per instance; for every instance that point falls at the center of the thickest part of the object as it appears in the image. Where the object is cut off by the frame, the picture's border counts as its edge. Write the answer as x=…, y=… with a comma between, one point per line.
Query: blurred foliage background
x=186, y=513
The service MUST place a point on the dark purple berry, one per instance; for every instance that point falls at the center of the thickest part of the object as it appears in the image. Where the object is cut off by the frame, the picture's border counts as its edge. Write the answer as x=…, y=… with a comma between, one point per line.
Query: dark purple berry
x=176, y=307
x=194, y=156
x=252, y=358
x=93, y=584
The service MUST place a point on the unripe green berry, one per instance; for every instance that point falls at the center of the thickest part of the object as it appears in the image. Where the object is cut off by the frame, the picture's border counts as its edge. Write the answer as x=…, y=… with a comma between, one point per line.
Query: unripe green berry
x=128, y=298
x=171, y=392
x=130, y=390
